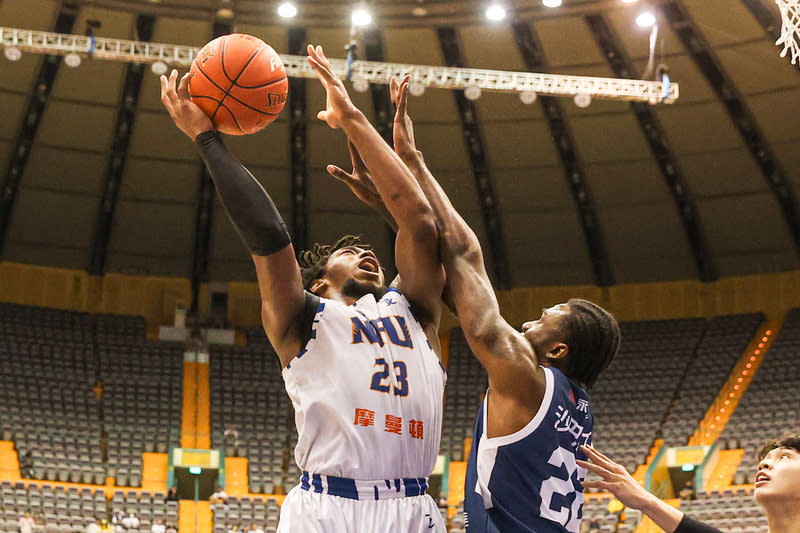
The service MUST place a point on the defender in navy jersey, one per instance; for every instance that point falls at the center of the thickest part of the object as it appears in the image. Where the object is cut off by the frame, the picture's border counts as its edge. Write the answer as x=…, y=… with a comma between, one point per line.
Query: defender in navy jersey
x=522, y=475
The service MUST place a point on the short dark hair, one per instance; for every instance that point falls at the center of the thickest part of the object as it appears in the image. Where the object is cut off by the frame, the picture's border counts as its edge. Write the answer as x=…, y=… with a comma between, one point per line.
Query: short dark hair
x=593, y=337
x=314, y=261
x=788, y=441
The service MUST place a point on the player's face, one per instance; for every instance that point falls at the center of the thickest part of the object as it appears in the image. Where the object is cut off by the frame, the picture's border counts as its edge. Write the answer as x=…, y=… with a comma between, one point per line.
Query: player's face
x=778, y=476
x=355, y=270
x=547, y=330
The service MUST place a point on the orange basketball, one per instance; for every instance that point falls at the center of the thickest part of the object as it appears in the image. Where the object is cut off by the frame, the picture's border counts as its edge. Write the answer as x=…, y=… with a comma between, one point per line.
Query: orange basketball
x=240, y=82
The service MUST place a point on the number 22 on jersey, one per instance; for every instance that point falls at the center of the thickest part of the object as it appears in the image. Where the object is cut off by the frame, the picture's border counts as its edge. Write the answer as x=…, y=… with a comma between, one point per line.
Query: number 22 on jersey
x=382, y=375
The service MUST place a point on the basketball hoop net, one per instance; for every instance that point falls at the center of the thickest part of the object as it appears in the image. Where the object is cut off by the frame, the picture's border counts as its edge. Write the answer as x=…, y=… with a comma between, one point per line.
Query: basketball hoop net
x=790, y=29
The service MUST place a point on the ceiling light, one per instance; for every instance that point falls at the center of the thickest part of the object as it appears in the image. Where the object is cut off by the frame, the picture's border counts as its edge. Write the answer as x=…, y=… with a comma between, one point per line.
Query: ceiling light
x=472, y=93
x=225, y=13
x=419, y=11
x=287, y=10
x=527, y=97
x=360, y=84
x=416, y=88
x=361, y=17
x=646, y=19
x=628, y=1
x=551, y=3
x=159, y=68
x=582, y=100
x=13, y=53
x=495, y=13
x=72, y=60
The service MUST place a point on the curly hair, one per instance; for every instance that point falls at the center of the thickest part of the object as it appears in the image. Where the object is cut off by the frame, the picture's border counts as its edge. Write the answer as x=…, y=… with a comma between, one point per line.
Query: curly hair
x=789, y=441
x=314, y=261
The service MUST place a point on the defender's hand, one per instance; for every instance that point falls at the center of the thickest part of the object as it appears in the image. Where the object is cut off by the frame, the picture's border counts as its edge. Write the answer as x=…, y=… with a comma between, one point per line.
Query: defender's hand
x=338, y=107
x=403, y=128
x=184, y=113
x=359, y=180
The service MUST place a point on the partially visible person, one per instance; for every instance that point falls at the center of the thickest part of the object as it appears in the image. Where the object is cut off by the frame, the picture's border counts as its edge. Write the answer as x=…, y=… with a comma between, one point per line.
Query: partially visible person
x=777, y=489
x=219, y=497
x=172, y=494
x=93, y=526
x=131, y=521
x=171, y=528
x=26, y=523
x=105, y=527
x=158, y=527
x=687, y=492
x=26, y=468
x=39, y=523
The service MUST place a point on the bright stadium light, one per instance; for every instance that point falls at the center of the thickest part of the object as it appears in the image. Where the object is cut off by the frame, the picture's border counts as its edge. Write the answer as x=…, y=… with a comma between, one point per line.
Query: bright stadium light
x=646, y=19
x=72, y=60
x=495, y=13
x=287, y=10
x=527, y=97
x=159, y=68
x=551, y=3
x=416, y=88
x=472, y=93
x=582, y=100
x=13, y=53
x=361, y=17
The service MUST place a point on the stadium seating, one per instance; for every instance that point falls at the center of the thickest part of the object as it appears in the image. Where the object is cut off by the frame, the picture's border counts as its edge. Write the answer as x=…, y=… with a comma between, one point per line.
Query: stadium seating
x=245, y=511
x=768, y=409
x=722, y=345
x=248, y=397
x=728, y=511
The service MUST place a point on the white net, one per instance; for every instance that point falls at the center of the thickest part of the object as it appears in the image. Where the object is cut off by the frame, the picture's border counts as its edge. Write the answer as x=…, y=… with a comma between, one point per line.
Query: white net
x=790, y=29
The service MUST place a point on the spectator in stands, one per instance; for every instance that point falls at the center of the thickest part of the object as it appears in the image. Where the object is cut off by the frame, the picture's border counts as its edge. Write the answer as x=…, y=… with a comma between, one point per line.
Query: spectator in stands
x=26, y=468
x=218, y=498
x=234, y=528
x=251, y=528
x=93, y=527
x=442, y=501
x=38, y=522
x=158, y=527
x=231, y=437
x=687, y=492
x=131, y=521
x=777, y=489
x=172, y=494
x=172, y=529
x=105, y=527
x=26, y=523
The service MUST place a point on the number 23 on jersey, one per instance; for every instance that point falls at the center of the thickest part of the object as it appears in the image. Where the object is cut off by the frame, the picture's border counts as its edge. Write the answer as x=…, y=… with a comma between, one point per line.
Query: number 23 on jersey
x=381, y=381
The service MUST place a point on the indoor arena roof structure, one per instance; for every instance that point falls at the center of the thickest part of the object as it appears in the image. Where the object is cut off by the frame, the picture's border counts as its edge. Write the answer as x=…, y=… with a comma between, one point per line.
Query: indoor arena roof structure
x=96, y=177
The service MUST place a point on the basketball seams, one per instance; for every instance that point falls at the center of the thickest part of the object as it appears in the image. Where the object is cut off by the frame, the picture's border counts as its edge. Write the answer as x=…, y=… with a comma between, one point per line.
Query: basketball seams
x=232, y=97
x=247, y=98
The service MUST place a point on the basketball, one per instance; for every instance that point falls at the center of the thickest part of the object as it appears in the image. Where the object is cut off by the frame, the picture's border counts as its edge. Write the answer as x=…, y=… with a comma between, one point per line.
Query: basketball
x=240, y=82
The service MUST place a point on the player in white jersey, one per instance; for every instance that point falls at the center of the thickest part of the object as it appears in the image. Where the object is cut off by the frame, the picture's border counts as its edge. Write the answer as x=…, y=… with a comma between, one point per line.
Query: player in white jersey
x=365, y=382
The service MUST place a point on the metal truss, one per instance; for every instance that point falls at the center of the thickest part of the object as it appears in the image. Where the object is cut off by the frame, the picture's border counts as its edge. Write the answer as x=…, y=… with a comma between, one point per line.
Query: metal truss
x=653, y=92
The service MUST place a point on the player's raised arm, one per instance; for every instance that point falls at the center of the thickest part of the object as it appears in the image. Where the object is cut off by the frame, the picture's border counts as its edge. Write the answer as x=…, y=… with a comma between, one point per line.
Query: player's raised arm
x=503, y=351
x=255, y=217
x=417, y=245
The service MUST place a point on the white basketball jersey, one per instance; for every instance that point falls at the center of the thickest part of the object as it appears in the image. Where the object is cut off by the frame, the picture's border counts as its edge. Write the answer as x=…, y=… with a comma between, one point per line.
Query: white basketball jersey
x=367, y=392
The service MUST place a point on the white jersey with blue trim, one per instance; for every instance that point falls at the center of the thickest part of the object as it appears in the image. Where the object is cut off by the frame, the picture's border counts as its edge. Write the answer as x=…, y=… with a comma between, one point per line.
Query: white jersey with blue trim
x=367, y=391
x=529, y=482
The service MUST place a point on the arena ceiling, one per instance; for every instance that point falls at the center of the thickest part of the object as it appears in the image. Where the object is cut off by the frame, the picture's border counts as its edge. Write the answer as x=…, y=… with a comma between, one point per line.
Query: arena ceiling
x=98, y=178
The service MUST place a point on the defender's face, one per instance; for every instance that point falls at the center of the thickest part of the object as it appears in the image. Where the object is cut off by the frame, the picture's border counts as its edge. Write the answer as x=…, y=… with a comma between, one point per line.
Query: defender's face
x=358, y=264
x=778, y=476
x=547, y=330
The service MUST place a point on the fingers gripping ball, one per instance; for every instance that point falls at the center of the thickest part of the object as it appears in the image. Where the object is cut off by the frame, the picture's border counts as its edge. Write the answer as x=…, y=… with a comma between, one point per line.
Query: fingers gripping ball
x=240, y=82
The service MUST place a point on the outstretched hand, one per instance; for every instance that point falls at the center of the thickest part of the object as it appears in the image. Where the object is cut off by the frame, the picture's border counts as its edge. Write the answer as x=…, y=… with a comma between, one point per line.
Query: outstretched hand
x=184, y=113
x=360, y=182
x=338, y=107
x=616, y=479
x=403, y=128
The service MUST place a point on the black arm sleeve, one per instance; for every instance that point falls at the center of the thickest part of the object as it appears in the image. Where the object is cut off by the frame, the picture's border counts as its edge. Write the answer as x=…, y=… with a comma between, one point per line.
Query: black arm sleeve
x=690, y=525
x=309, y=314
x=248, y=205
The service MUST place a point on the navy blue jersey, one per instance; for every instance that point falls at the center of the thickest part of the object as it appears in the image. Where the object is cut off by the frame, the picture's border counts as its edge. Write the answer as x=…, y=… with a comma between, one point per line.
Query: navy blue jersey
x=529, y=482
